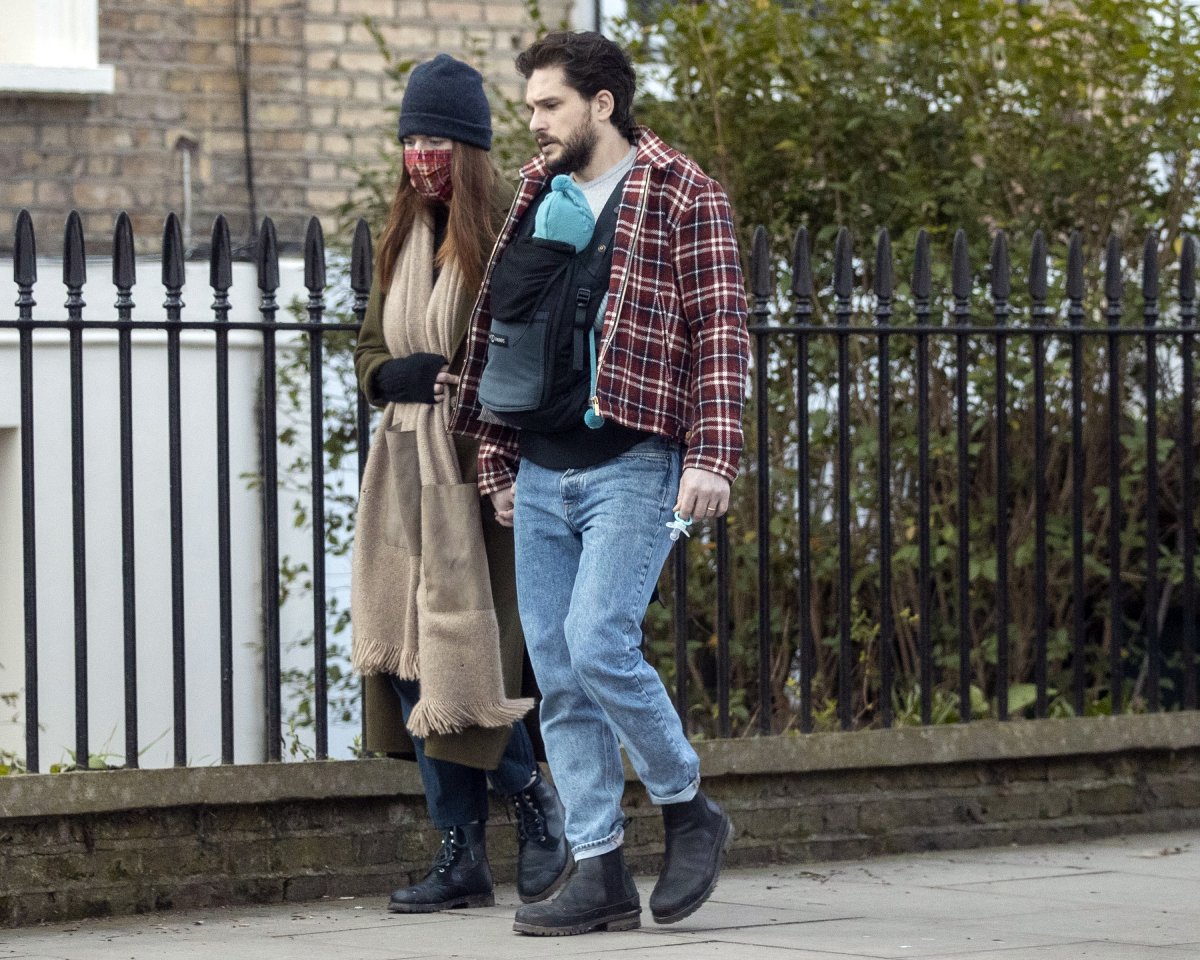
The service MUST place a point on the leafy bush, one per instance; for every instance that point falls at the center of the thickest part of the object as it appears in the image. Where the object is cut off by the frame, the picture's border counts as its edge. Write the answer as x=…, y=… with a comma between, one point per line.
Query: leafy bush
x=980, y=115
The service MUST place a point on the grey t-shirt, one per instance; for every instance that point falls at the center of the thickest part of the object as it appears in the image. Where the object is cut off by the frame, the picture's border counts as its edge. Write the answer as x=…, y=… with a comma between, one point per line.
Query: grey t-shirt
x=598, y=191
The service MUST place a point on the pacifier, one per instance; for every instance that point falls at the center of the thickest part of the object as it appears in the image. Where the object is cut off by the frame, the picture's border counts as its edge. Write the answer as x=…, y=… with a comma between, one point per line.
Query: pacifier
x=678, y=526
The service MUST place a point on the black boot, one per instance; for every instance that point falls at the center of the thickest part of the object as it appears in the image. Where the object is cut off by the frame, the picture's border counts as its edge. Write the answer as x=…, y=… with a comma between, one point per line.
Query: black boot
x=599, y=896
x=543, y=860
x=698, y=834
x=460, y=876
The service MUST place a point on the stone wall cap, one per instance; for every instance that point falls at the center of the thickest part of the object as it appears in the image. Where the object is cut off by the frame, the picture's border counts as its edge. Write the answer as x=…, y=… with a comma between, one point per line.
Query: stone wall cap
x=983, y=740
x=40, y=795
x=95, y=791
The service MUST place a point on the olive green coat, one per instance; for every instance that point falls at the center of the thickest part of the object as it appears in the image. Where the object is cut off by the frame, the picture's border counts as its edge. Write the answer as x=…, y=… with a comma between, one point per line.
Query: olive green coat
x=384, y=730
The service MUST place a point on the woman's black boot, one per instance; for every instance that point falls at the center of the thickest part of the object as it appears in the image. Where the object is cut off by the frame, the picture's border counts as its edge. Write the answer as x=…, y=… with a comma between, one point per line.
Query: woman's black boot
x=460, y=876
x=698, y=833
x=599, y=896
x=543, y=859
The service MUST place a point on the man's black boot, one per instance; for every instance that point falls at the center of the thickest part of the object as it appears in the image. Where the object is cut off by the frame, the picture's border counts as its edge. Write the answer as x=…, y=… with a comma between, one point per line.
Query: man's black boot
x=460, y=876
x=599, y=896
x=698, y=834
x=543, y=859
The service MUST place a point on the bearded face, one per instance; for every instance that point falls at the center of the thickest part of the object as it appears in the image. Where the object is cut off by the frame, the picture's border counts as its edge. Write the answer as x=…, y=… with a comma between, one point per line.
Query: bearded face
x=561, y=121
x=574, y=151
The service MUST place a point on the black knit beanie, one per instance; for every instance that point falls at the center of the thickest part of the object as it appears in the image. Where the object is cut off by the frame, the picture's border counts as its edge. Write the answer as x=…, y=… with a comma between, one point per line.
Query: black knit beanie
x=445, y=98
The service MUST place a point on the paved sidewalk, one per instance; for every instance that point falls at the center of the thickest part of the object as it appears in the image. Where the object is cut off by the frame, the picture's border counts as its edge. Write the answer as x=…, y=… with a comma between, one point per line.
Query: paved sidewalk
x=1130, y=898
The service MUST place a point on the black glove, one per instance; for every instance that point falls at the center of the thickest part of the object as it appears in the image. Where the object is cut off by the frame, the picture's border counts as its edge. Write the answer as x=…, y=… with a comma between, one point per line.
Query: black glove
x=409, y=379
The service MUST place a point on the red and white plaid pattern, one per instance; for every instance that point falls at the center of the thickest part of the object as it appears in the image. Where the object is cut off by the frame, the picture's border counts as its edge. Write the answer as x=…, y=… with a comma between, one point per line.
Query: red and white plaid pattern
x=674, y=349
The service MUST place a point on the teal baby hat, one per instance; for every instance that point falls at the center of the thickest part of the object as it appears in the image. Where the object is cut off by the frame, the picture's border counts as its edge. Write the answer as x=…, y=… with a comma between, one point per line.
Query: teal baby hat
x=565, y=215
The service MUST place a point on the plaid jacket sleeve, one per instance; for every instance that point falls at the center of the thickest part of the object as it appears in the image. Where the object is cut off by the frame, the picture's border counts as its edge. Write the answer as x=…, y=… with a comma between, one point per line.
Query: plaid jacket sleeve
x=712, y=292
x=498, y=460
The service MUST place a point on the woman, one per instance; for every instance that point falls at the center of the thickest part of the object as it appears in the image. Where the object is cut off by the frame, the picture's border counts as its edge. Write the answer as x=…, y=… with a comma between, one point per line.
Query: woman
x=436, y=632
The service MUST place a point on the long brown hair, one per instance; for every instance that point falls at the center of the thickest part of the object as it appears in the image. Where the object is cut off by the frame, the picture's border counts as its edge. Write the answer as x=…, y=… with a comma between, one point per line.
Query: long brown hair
x=470, y=229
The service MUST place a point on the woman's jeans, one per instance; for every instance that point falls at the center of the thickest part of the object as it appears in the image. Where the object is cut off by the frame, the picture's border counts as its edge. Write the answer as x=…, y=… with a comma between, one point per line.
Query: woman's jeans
x=590, y=545
x=455, y=793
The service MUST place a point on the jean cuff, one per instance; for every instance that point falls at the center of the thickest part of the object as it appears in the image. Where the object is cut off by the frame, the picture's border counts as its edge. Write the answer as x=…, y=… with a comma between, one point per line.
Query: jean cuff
x=596, y=848
x=683, y=796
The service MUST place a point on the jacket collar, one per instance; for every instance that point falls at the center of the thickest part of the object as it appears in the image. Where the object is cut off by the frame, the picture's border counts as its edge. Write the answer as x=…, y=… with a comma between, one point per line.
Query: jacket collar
x=651, y=151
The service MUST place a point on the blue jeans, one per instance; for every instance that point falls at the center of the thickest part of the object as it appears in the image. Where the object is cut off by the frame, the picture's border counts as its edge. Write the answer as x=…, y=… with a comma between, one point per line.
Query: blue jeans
x=590, y=544
x=457, y=794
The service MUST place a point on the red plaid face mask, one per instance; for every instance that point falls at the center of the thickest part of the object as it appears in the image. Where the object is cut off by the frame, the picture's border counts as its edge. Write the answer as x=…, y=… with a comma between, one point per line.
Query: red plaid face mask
x=429, y=171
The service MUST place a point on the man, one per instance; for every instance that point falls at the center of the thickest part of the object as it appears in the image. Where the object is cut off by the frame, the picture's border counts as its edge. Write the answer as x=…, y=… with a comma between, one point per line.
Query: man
x=591, y=508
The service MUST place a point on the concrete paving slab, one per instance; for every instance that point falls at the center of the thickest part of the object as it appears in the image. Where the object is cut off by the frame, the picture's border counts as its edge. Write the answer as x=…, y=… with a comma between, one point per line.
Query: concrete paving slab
x=723, y=915
x=1079, y=950
x=893, y=899
x=1110, y=888
x=942, y=904
x=767, y=890
x=932, y=870
x=893, y=938
x=231, y=932
x=1109, y=900
x=488, y=938
x=1151, y=928
x=1175, y=854
x=206, y=943
x=256, y=950
x=717, y=950
x=1168, y=858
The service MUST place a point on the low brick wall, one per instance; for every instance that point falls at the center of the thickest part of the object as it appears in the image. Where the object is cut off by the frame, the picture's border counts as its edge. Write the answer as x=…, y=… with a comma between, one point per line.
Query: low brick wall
x=86, y=844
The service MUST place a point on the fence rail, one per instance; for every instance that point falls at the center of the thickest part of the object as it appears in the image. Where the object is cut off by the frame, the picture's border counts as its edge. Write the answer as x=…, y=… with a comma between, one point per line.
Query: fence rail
x=850, y=459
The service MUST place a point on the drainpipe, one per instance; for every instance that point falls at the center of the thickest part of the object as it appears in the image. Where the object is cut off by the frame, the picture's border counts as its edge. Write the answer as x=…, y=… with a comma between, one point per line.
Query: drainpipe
x=186, y=146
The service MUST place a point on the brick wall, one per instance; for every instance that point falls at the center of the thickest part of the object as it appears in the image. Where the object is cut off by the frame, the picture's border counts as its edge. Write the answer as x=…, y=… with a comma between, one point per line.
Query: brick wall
x=89, y=844
x=318, y=99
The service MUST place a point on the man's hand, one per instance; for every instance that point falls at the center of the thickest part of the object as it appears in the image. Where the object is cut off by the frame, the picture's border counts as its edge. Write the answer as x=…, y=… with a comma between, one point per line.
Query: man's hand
x=441, y=381
x=702, y=495
x=503, y=501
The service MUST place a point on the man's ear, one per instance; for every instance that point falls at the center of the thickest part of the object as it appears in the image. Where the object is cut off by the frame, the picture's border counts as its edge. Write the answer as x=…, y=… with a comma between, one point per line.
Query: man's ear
x=602, y=105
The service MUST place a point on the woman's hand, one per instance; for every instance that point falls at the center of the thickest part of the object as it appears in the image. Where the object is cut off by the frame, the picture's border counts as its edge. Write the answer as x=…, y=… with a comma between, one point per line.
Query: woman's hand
x=417, y=378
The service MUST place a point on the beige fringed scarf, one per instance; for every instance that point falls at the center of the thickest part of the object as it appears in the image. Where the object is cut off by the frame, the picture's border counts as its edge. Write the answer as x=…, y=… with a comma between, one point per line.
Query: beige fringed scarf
x=420, y=594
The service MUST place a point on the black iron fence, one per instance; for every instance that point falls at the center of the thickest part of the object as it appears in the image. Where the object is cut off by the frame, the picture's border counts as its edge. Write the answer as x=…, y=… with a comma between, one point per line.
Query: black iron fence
x=220, y=326
x=990, y=516
x=938, y=521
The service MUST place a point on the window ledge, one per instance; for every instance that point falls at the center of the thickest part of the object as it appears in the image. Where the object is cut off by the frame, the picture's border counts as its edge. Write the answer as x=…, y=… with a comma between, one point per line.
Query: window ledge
x=55, y=81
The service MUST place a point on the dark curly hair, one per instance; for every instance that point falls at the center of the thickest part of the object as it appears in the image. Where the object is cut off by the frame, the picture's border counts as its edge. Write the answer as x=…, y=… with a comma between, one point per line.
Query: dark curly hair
x=591, y=63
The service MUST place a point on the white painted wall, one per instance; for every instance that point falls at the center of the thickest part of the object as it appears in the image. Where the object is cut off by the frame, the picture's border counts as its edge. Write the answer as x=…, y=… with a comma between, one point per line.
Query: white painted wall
x=18, y=40
x=52, y=46
x=49, y=32
x=152, y=525
x=10, y=569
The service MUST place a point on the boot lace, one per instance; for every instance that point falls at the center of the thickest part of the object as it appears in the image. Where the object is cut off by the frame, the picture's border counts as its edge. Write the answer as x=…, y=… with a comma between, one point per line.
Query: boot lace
x=445, y=855
x=531, y=821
